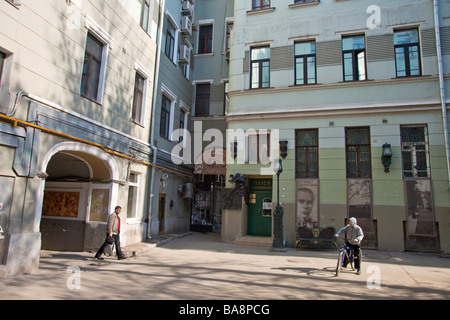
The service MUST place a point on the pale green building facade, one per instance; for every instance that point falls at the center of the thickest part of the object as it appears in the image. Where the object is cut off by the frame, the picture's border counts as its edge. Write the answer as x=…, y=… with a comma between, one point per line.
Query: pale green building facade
x=337, y=80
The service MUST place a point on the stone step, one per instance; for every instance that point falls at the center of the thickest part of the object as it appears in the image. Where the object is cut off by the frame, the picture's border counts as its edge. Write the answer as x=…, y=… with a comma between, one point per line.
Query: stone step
x=254, y=241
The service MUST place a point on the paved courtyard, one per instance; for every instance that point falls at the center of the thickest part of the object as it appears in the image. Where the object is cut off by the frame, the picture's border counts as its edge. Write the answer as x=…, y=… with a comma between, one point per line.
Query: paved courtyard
x=201, y=267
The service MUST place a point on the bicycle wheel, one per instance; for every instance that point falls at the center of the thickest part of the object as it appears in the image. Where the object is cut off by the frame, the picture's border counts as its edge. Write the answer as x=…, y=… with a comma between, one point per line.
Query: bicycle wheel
x=339, y=262
x=351, y=259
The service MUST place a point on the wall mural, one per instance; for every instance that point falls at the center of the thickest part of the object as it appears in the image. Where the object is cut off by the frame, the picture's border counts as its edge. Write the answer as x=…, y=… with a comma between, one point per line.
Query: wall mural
x=419, y=208
x=307, y=204
x=99, y=205
x=61, y=204
x=359, y=200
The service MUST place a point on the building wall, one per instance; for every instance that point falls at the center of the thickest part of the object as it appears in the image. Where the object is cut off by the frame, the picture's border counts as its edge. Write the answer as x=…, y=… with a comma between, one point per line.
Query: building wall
x=382, y=102
x=44, y=46
x=177, y=87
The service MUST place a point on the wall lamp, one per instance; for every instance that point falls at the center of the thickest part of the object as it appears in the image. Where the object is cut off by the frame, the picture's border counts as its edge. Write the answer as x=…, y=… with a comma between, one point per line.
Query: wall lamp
x=283, y=149
x=386, y=156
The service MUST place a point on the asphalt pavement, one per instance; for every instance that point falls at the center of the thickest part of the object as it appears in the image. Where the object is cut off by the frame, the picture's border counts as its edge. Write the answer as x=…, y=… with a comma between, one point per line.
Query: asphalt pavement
x=199, y=266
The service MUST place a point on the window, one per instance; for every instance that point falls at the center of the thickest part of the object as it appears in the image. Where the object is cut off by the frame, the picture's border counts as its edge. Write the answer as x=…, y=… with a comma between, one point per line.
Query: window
x=229, y=28
x=357, y=147
x=415, y=151
x=170, y=41
x=133, y=187
x=183, y=124
x=304, y=1
x=258, y=147
x=202, y=97
x=305, y=62
x=306, y=153
x=90, y=79
x=2, y=61
x=138, y=99
x=260, y=4
x=205, y=39
x=407, y=53
x=145, y=15
x=353, y=51
x=164, y=125
x=260, y=67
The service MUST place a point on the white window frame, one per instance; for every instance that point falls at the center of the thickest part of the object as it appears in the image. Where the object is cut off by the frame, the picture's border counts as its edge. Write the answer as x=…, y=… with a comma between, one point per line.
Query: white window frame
x=150, y=16
x=136, y=201
x=173, y=101
x=205, y=22
x=108, y=44
x=184, y=109
x=175, y=25
x=146, y=74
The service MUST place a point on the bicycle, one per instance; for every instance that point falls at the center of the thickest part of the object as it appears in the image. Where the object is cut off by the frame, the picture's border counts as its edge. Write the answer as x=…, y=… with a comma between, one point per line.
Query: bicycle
x=344, y=251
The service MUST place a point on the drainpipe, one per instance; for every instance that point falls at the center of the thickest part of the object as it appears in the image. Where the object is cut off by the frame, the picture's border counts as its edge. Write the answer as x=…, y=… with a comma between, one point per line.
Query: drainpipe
x=442, y=85
x=152, y=135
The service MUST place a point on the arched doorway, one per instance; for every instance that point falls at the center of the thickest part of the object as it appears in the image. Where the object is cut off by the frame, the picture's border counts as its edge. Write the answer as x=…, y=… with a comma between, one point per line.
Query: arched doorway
x=77, y=195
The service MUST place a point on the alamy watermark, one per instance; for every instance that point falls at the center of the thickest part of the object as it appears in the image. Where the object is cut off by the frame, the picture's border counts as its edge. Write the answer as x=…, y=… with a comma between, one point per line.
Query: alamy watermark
x=374, y=279
x=374, y=21
x=74, y=280
x=250, y=146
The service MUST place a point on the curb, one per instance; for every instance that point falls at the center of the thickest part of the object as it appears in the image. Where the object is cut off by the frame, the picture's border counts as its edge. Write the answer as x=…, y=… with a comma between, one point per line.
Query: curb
x=159, y=241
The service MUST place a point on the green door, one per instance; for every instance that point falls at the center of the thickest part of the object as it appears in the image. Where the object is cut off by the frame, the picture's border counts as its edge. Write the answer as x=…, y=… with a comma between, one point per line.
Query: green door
x=259, y=210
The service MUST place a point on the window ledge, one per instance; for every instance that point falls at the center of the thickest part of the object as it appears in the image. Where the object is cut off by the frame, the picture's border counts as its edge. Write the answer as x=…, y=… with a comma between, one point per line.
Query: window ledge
x=304, y=4
x=211, y=54
x=260, y=11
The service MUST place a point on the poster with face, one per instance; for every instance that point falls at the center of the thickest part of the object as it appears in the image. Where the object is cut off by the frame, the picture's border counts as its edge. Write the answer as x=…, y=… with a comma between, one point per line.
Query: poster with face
x=307, y=204
x=419, y=208
x=359, y=200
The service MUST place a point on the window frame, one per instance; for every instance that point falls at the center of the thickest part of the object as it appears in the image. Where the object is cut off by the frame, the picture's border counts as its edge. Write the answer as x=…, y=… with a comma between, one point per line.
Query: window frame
x=146, y=25
x=107, y=40
x=406, y=54
x=259, y=63
x=355, y=59
x=169, y=45
x=2, y=63
x=86, y=77
x=165, y=117
x=361, y=156
x=138, y=103
x=205, y=97
x=309, y=170
x=261, y=5
x=412, y=147
x=132, y=212
x=305, y=57
x=205, y=41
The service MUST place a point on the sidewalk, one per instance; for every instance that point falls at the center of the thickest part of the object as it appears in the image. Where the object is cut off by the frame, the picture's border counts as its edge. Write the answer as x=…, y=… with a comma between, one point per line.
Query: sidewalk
x=198, y=266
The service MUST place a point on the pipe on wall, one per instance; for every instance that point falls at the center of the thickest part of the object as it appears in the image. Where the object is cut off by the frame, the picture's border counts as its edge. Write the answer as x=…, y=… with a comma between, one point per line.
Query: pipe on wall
x=442, y=85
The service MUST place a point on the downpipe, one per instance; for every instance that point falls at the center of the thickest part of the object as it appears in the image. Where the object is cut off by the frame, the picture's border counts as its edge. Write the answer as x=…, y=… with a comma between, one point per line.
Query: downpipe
x=442, y=86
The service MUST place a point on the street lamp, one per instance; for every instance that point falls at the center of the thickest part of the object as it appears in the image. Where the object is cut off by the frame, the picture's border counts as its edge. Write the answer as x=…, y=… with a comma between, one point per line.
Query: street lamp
x=278, y=243
x=386, y=156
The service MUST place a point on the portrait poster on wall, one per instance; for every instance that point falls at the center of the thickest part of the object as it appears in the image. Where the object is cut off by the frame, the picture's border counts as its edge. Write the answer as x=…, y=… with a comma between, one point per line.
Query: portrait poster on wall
x=307, y=204
x=359, y=200
x=419, y=208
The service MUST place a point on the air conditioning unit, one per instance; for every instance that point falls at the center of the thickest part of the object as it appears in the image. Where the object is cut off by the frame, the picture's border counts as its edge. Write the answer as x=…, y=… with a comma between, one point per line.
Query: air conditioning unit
x=188, y=8
x=186, y=25
x=185, y=54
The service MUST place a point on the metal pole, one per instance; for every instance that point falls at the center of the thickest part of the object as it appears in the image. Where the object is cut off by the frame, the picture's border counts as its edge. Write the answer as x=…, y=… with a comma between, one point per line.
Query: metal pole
x=278, y=243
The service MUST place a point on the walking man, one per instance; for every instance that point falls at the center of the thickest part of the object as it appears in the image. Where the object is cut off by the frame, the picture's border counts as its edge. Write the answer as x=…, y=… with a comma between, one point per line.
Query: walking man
x=112, y=234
